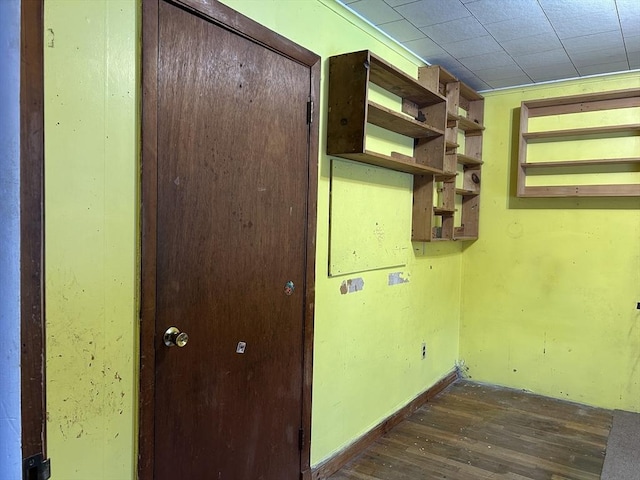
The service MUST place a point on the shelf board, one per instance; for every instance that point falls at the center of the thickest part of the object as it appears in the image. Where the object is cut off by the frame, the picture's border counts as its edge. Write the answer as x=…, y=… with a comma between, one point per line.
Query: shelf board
x=446, y=177
x=582, y=163
x=452, y=117
x=617, y=190
x=593, y=132
x=399, y=122
x=390, y=78
x=466, y=193
x=400, y=163
x=465, y=238
x=467, y=160
x=451, y=145
x=467, y=125
x=443, y=211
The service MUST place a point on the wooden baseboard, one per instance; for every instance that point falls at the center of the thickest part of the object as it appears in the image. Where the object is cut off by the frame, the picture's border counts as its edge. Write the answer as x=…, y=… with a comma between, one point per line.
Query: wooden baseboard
x=335, y=463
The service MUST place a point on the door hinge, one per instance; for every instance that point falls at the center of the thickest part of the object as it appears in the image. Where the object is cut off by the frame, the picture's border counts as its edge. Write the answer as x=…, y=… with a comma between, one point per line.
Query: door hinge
x=301, y=438
x=309, y=112
x=36, y=468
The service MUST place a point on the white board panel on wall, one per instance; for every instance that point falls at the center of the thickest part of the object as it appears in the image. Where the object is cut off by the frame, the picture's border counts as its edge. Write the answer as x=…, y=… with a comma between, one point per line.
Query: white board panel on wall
x=370, y=217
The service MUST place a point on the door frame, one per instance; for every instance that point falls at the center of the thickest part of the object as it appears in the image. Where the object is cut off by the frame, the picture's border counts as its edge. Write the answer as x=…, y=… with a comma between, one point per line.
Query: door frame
x=233, y=21
x=32, y=312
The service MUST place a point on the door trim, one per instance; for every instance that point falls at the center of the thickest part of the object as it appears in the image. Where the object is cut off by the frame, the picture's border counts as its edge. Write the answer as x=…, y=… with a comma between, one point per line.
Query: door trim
x=235, y=22
x=32, y=313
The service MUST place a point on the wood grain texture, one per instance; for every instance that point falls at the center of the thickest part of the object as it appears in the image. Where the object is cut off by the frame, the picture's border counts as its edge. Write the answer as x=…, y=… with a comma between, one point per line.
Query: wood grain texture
x=32, y=324
x=149, y=139
x=257, y=151
x=474, y=431
x=332, y=465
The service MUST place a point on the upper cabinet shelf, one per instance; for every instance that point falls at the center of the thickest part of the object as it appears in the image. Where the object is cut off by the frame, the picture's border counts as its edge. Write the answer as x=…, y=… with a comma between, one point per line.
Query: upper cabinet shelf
x=421, y=114
x=609, y=151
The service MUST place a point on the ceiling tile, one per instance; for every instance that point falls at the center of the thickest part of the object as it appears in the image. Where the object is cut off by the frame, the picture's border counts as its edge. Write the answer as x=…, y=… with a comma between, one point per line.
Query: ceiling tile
x=401, y=30
x=473, y=47
x=491, y=11
x=630, y=25
x=585, y=25
x=474, y=82
x=375, y=11
x=520, y=27
x=455, y=30
x=604, y=68
x=488, y=60
x=498, y=73
x=429, y=12
x=597, y=57
x=551, y=72
x=632, y=44
x=531, y=45
x=541, y=59
x=424, y=47
x=557, y=10
x=510, y=82
x=396, y=3
x=593, y=42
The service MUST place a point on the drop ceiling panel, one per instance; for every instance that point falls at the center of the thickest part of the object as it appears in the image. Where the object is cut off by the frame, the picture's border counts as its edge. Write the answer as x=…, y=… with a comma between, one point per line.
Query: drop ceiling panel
x=531, y=45
x=499, y=43
x=401, y=30
x=455, y=30
x=431, y=12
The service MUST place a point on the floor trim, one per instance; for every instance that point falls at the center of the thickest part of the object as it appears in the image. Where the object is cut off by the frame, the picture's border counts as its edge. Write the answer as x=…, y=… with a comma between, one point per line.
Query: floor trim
x=335, y=463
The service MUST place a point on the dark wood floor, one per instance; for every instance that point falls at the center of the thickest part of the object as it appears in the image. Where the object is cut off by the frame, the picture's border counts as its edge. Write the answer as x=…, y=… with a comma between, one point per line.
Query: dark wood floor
x=473, y=431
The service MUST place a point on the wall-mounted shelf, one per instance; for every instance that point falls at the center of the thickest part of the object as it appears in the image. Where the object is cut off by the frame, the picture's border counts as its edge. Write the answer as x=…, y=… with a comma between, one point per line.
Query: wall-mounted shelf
x=579, y=105
x=465, y=112
x=422, y=117
x=433, y=109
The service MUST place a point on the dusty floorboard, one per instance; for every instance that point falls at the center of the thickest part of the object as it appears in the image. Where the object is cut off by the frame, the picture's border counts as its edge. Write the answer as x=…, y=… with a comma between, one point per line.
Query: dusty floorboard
x=474, y=431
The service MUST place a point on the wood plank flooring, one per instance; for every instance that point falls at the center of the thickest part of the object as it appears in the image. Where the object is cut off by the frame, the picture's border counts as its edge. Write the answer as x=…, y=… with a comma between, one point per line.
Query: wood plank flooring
x=474, y=431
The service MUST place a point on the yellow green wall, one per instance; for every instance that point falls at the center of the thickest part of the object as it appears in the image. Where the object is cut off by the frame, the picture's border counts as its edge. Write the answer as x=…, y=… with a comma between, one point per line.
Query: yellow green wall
x=91, y=205
x=367, y=359
x=550, y=289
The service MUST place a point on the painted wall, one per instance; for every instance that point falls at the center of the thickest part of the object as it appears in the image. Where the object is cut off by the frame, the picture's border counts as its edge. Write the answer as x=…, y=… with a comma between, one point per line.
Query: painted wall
x=91, y=187
x=550, y=289
x=10, y=423
x=367, y=343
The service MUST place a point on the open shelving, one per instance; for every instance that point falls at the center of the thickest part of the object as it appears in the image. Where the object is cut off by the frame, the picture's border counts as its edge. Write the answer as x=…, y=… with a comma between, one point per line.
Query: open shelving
x=555, y=110
x=465, y=114
x=433, y=109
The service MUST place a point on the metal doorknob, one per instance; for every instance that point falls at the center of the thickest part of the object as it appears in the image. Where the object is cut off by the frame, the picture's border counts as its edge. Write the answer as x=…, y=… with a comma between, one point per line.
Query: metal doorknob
x=175, y=338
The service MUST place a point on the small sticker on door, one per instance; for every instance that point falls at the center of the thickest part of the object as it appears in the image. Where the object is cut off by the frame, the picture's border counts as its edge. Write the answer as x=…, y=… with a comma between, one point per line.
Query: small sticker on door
x=289, y=288
x=241, y=347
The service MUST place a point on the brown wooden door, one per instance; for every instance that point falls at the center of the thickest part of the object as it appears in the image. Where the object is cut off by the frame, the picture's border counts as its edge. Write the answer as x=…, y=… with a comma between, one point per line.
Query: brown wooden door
x=232, y=185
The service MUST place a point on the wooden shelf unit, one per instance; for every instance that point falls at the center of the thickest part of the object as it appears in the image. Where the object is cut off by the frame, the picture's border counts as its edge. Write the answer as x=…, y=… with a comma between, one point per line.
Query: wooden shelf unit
x=606, y=101
x=422, y=117
x=465, y=114
x=434, y=108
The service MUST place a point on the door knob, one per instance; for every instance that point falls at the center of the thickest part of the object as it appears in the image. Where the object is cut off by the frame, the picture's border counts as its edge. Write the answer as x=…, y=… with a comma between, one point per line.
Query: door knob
x=175, y=338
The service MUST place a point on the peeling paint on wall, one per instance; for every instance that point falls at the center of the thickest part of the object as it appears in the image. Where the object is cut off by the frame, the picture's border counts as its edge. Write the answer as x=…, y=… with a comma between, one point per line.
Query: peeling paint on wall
x=352, y=285
x=397, y=278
